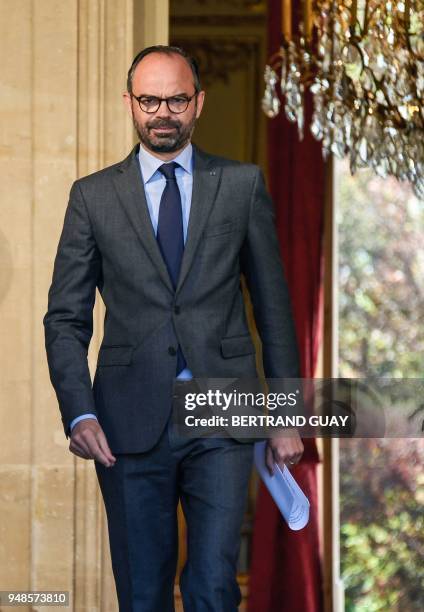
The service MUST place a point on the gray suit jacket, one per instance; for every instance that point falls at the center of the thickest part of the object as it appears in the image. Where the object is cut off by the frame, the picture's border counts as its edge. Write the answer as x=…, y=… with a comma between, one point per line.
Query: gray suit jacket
x=108, y=242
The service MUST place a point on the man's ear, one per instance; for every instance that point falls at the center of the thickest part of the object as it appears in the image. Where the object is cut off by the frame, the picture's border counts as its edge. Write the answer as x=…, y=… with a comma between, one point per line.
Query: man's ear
x=200, y=102
x=128, y=102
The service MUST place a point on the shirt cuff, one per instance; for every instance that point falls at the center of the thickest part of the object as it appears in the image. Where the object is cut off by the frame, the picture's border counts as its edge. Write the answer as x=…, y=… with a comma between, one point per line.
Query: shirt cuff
x=89, y=415
x=185, y=374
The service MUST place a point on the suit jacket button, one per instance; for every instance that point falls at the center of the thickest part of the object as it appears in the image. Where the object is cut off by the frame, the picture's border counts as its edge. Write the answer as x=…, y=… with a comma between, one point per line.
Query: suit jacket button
x=172, y=351
x=177, y=309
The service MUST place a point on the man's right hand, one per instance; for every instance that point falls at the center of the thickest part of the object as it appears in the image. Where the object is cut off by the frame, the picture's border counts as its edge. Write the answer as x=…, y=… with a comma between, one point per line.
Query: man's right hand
x=89, y=442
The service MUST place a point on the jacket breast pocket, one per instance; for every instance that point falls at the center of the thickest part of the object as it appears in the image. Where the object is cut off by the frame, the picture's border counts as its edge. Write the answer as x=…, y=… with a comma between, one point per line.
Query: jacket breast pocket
x=219, y=229
x=237, y=346
x=115, y=355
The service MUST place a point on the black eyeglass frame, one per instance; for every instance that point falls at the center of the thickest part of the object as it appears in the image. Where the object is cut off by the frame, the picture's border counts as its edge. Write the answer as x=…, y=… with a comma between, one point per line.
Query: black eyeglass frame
x=160, y=100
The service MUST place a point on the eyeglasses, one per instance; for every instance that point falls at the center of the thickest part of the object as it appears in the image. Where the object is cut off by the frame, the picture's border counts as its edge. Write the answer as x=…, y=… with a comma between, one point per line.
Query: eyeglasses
x=175, y=104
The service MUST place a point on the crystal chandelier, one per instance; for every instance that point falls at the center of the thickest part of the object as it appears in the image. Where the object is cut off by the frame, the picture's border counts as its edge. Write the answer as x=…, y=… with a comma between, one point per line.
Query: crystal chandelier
x=363, y=61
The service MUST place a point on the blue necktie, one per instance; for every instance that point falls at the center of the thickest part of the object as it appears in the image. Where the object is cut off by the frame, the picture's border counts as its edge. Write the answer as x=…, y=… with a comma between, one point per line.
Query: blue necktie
x=170, y=235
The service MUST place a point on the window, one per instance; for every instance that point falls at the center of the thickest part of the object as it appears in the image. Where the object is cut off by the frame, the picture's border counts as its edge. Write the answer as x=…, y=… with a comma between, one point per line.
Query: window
x=381, y=333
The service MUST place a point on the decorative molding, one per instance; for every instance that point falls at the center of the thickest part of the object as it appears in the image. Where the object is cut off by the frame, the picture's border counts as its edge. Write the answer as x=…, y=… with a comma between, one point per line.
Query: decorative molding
x=214, y=4
x=217, y=21
x=217, y=6
x=151, y=23
x=218, y=58
x=104, y=135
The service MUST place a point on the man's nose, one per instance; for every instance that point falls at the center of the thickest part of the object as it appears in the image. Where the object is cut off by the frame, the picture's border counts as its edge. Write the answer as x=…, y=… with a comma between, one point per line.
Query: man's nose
x=163, y=110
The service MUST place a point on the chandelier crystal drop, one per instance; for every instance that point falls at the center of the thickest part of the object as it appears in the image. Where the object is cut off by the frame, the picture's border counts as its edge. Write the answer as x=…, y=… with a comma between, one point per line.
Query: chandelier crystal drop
x=363, y=62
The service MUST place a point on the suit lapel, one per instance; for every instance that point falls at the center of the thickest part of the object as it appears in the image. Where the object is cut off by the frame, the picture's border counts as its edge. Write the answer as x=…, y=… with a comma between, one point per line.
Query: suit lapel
x=129, y=186
x=206, y=179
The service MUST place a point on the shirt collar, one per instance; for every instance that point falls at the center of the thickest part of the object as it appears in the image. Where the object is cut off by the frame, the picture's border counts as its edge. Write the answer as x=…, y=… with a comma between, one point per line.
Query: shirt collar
x=149, y=163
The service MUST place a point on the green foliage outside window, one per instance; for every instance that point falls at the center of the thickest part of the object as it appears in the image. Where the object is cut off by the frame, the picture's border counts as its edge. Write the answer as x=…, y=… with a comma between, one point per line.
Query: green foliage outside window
x=381, y=333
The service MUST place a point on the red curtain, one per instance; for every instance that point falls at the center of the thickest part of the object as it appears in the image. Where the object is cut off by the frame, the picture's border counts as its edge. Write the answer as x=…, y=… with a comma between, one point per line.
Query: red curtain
x=285, y=565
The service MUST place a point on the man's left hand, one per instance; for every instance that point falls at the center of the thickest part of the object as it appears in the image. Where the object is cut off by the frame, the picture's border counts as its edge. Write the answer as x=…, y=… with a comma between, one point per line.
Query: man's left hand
x=285, y=449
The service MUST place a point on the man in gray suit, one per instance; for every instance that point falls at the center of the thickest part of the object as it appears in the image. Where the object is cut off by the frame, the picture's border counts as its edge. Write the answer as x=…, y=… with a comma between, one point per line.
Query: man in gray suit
x=164, y=236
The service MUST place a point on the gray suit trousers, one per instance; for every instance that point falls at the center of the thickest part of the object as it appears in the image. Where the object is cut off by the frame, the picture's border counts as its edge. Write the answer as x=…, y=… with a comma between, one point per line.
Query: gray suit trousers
x=210, y=476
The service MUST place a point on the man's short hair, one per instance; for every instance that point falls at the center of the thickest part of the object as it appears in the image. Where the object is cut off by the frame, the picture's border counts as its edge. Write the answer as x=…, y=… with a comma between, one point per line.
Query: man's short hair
x=166, y=50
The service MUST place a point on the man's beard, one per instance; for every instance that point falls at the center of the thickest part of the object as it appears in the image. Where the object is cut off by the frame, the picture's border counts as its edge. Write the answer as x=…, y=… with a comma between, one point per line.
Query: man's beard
x=164, y=143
